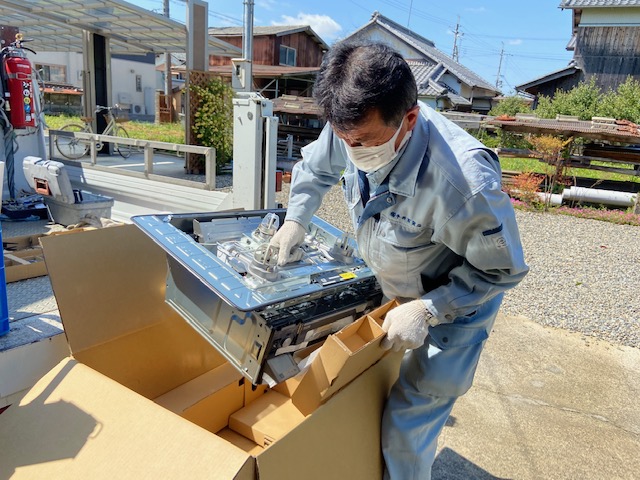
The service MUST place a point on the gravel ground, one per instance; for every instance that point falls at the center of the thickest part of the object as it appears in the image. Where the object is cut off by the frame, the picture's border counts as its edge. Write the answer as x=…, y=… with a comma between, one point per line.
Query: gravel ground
x=584, y=277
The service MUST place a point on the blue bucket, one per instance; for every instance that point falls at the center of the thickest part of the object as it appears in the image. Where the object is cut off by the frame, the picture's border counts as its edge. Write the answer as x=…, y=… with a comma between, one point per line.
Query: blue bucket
x=4, y=307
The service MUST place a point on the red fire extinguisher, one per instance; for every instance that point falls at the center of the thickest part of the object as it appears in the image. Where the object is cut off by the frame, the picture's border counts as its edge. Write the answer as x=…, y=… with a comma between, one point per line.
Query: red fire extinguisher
x=18, y=85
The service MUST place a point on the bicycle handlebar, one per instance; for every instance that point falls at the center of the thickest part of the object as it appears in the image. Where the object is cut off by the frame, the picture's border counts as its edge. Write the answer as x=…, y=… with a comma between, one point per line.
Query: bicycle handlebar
x=99, y=108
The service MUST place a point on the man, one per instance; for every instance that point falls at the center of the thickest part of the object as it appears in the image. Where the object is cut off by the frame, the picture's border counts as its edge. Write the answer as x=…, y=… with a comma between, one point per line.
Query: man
x=430, y=220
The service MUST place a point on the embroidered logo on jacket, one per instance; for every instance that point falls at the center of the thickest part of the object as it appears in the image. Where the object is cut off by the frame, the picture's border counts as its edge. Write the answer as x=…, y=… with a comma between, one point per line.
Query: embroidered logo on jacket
x=405, y=219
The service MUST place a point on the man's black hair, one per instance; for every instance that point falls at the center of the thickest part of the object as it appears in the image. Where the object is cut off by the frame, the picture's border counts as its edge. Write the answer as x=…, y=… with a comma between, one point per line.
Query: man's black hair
x=356, y=78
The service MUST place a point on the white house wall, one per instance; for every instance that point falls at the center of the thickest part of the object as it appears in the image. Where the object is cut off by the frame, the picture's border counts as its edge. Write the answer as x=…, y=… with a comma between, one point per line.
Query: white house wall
x=379, y=35
x=71, y=61
x=605, y=17
x=123, y=76
x=452, y=82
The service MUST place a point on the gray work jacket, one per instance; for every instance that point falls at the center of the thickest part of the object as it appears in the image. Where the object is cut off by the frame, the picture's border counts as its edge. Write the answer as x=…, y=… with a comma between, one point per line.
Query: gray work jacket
x=437, y=226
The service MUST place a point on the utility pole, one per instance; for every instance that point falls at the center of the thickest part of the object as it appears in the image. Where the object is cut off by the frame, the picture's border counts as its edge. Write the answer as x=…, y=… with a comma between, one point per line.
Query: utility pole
x=168, y=87
x=410, y=8
x=498, y=81
x=456, y=34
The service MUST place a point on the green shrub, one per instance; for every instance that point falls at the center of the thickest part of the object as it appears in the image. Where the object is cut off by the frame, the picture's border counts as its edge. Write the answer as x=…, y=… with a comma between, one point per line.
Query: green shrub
x=624, y=103
x=586, y=100
x=510, y=106
x=582, y=101
x=213, y=119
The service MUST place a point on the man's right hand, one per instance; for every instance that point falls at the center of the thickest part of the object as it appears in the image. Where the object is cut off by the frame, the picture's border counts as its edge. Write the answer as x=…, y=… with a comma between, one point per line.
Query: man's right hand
x=287, y=239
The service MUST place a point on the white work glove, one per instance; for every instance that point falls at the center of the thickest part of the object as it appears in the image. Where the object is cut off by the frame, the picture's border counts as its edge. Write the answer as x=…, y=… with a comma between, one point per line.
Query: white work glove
x=407, y=326
x=287, y=239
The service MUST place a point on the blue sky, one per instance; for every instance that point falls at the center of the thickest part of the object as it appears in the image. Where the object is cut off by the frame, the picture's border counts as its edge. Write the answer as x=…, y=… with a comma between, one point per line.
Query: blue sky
x=533, y=34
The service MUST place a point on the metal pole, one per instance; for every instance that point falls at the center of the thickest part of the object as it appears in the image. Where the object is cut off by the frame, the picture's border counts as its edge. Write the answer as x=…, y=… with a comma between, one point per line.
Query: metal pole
x=498, y=81
x=168, y=87
x=247, y=44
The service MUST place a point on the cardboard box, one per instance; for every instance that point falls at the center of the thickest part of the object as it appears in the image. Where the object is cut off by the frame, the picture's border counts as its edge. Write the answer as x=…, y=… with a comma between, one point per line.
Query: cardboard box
x=341, y=358
x=266, y=420
x=94, y=415
x=21, y=242
x=24, y=264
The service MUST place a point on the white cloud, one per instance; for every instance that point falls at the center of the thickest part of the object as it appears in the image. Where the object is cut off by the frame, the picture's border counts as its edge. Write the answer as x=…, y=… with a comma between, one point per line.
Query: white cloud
x=475, y=10
x=515, y=42
x=266, y=4
x=325, y=26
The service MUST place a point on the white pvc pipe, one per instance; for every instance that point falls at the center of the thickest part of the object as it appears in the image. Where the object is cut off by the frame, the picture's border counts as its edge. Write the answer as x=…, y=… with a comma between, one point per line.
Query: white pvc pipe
x=594, y=195
x=554, y=198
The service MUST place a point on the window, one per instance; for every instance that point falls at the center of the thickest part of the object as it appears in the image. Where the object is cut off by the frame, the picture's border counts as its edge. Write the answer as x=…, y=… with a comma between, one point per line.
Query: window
x=52, y=73
x=138, y=83
x=287, y=56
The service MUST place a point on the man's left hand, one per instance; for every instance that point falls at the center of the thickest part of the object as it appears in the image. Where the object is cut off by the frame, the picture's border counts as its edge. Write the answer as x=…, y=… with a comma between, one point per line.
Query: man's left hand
x=406, y=326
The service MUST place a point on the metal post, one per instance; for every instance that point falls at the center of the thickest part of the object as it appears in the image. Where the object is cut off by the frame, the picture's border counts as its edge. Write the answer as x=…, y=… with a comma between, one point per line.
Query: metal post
x=148, y=159
x=247, y=45
x=210, y=169
x=270, y=160
x=254, y=151
x=289, y=146
x=168, y=87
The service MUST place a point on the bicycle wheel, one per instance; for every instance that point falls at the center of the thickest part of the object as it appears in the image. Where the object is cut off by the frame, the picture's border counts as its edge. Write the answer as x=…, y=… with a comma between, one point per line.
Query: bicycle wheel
x=70, y=147
x=122, y=149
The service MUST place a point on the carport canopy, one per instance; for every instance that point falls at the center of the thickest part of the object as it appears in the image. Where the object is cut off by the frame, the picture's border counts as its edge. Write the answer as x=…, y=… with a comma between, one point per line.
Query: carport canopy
x=58, y=25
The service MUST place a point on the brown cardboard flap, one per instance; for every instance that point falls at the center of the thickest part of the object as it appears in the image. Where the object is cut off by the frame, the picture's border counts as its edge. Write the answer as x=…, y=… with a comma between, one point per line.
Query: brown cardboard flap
x=379, y=313
x=78, y=424
x=101, y=274
x=341, y=436
x=209, y=399
x=336, y=364
x=109, y=285
x=21, y=242
x=241, y=442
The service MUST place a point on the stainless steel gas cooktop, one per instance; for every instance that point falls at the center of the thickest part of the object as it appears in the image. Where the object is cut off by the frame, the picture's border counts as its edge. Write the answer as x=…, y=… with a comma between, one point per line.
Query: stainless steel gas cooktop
x=223, y=279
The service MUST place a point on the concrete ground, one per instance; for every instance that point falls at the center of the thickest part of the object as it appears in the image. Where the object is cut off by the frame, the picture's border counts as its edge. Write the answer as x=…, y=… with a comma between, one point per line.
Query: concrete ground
x=546, y=404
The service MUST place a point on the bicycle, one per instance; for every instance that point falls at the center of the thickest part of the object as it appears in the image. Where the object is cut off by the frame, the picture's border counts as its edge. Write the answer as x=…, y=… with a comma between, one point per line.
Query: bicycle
x=74, y=148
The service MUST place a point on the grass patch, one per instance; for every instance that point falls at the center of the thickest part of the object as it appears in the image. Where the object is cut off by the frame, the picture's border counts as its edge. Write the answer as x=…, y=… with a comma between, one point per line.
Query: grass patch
x=536, y=166
x=162, y=132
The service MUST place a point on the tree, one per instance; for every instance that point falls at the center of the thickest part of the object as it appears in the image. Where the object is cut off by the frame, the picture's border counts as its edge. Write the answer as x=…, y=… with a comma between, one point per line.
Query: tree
x=510, y=106
x=582, y=101
x=624, y=103
x=213, y=118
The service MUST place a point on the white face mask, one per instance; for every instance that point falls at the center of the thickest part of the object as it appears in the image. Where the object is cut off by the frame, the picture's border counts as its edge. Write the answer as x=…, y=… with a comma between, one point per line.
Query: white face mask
x=370, y=159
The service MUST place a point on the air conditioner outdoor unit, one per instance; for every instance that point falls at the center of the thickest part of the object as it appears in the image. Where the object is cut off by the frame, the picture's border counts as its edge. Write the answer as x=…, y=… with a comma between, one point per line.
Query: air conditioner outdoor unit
x=138, y=109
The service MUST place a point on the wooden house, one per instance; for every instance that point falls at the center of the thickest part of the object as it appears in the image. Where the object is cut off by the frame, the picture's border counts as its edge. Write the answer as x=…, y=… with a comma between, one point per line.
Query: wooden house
x=442, y=82
x=605, y=40
x=286, y=59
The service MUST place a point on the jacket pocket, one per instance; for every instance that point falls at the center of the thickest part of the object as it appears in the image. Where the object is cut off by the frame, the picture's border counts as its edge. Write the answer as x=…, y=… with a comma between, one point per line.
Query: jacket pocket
x=350, y=189
x=457, y=335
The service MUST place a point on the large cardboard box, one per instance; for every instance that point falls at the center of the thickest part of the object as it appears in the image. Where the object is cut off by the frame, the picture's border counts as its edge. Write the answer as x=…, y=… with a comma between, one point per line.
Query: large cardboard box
x=142, y=392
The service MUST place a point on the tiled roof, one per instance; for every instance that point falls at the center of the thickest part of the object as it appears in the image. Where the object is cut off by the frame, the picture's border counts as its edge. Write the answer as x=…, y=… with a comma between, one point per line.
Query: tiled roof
x=427, y=76
x=562, y=72
x=427, y=47
x=598, y=3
